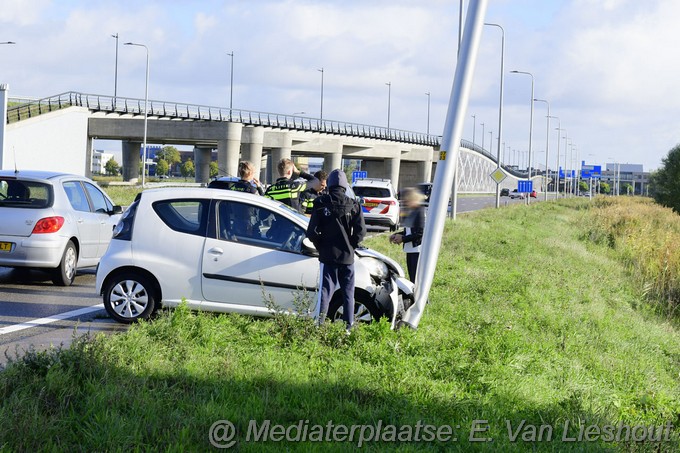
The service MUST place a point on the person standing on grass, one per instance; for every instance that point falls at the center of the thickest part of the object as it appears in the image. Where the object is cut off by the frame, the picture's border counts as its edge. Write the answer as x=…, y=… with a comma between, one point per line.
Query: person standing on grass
x=336, y=228
x=291, y=184
x=412, y=235
x=248, y=183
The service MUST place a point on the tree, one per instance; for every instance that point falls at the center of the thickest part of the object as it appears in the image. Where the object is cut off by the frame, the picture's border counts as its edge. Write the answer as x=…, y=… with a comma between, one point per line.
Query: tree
x=187, y=169
x=214, y=169
x=170, y=154
x=112, y=168
x=665, y=182
x=162, y=167
x=605, y=188
x=583, y=186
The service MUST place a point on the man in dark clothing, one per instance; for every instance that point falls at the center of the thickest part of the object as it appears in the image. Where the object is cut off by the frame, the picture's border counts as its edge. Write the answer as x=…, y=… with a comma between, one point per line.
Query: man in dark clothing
x=247, y=183
x=336, y=228
x=309, y=195
x=289, y=186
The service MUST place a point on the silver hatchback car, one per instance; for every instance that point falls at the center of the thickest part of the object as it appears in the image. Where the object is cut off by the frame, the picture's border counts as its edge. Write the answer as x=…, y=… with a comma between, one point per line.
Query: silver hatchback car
x=53, y=221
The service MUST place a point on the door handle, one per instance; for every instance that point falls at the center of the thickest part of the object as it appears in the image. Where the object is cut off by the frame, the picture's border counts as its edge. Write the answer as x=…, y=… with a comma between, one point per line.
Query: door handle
x=216, y=251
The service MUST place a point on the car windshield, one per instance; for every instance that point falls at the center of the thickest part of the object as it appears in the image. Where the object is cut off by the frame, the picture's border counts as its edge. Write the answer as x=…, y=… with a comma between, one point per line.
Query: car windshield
x=25, y=194
x=375, y=192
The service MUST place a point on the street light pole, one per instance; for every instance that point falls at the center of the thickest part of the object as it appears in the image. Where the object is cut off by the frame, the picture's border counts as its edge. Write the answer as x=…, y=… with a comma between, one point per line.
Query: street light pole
x=531, y=121
x=389, y=99
x=146, y=111
x=231, y=83
x=428, y=112
x=500, y=111
x=321, y=111
x=482, y=136
x=557, y=160
x=547, y=144
x=115, y=74
x=474, y=132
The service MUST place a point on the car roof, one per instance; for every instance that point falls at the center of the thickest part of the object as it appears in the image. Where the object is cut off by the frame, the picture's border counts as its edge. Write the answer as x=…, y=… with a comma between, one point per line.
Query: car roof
x=378, y=182
x=37, y=174
x=168, y=193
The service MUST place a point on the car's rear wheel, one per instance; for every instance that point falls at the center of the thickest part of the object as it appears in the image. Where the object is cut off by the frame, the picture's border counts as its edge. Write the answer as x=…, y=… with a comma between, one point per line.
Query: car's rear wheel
x=129, y=297
x=65, y=273
x=365, y=310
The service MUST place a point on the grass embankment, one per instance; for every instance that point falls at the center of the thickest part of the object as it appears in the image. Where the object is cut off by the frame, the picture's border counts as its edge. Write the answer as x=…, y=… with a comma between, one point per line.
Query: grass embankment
x=529, y=326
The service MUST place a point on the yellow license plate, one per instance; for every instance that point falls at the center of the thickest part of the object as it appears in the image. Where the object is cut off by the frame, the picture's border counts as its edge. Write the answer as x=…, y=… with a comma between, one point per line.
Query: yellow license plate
x=5, y=246
x=371, y=204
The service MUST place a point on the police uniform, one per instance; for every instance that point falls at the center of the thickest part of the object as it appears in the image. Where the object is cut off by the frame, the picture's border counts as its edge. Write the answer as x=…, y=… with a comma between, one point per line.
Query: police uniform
x=243, y=185
x=288, y=191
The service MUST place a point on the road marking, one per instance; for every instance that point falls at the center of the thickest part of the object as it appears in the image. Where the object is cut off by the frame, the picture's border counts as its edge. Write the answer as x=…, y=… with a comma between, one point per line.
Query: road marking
x=50, y=319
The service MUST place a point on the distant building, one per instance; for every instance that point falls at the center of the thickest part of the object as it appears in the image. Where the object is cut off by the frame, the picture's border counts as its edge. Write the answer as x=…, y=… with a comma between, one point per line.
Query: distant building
x=631, y=174
x=99, y=160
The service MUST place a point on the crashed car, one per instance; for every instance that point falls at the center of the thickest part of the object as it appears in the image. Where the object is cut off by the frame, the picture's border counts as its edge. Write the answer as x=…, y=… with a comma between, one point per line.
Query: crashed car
x=228, y=251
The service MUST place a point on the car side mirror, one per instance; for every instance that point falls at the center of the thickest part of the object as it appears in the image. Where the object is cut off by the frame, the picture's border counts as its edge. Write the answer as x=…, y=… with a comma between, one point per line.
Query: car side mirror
x=308, y=248
x=117, y=210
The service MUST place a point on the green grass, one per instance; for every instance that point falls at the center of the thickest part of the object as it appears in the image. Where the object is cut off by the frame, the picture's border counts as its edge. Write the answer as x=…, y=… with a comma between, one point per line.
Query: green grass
x=527, y=321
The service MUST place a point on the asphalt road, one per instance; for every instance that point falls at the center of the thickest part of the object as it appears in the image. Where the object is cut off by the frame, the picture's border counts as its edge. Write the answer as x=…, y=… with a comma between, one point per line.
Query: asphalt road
x=36, y=314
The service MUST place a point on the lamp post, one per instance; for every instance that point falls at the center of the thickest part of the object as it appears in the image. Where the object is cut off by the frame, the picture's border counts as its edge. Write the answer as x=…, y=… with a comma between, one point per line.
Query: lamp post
x=428, y=112
x=547, y=145
x=231, y=83
x=474, y=126
x=115, y=74
x=531, y=120
x=500, y=110
x=389, y=99
x=321, y=111
x=482, y=136
x=557, y=160
x=146, y=101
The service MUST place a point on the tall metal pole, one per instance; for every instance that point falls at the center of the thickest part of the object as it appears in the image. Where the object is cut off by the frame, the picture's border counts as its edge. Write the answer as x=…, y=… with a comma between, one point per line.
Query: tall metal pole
x=474, y=132
x=389, y=98
x=531, y=122
x=450, y=146
x=547, y=144
x=428, y=112
x=454, y=181
x=499, y=157
x=321, y=111
x=146, y=110
x=557, y=160
x=231, y=83
x=482, y=136
x=115, y=74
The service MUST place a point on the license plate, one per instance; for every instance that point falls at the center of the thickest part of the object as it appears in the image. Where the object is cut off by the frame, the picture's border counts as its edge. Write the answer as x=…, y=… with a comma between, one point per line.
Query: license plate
x=371, y=204
x=5, y=246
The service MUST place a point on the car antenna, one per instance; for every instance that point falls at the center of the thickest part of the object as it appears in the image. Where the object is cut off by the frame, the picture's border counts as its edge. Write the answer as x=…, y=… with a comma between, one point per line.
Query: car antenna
x=14, y=151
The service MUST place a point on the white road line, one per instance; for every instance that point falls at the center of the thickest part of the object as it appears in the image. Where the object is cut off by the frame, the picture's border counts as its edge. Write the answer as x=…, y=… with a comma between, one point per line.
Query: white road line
x=50, y=319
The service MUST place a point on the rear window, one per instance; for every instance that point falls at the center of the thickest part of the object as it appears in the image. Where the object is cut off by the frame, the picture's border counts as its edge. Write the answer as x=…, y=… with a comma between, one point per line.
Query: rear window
x=25, y=194
x=375, y=192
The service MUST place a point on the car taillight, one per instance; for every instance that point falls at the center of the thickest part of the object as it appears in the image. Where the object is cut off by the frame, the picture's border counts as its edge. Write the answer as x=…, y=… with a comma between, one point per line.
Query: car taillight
x=390, y=202
x=48, y=225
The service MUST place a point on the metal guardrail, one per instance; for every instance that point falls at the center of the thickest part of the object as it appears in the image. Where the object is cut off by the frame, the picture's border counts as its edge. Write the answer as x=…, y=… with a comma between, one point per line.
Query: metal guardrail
x=30, y=108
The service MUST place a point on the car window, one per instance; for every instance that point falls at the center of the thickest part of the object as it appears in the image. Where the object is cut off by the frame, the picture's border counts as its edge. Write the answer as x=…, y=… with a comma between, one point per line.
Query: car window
x=99, y=201
x=185, y=216
x=254, y=225
x=376, y=192
x=76, y=196
x=25, y=194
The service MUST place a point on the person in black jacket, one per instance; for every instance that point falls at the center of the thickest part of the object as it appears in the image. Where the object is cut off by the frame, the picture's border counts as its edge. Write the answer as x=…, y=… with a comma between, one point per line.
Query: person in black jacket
x=290, y=184
x=412, y=235
x=248, y=183
x=336, y=228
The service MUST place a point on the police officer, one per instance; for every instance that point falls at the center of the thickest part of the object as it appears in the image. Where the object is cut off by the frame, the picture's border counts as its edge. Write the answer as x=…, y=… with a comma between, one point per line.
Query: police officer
x=291, y=184
x=247, y=183
x=310, y=194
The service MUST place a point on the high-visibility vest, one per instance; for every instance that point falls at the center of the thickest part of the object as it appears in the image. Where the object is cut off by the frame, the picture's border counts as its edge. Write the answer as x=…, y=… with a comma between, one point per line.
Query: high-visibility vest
x=287, y=191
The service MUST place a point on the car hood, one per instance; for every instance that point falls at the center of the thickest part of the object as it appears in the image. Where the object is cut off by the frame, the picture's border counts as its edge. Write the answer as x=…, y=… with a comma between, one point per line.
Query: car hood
x=365, y=252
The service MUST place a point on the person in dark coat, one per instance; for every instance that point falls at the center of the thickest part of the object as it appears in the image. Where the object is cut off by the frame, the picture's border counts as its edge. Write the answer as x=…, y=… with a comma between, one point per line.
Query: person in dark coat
x=412, y=235
x=336, y=228
x=290, y=184
x=248, y=183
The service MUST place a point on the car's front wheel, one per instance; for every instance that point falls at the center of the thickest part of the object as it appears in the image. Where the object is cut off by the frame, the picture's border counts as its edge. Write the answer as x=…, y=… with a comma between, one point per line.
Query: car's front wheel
x=129, y=297
x=365, y=310
x=65, y=273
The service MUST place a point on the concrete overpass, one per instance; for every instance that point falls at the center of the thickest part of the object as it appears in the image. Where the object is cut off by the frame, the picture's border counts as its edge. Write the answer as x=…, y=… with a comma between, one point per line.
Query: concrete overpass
x=55, y=132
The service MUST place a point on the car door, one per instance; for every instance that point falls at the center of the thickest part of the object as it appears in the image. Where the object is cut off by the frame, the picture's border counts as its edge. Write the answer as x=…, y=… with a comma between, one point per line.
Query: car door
x=256, y=254
x=87, y=222
x=102, y=208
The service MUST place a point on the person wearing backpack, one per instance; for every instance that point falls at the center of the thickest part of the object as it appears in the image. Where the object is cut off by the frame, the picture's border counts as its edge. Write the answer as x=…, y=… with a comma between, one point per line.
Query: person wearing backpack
x=336, y=228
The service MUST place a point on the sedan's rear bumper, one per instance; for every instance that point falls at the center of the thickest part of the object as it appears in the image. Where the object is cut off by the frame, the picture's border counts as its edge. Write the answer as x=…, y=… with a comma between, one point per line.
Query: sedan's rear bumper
x=41, y=251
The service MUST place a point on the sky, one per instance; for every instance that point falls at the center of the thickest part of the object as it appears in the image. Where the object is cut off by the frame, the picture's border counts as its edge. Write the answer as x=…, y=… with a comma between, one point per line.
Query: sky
x=608, y=68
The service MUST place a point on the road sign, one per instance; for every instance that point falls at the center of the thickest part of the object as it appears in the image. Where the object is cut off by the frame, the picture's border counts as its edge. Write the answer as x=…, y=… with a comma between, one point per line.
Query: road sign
x=362, y=174
x=498, y=175
x=525, y=186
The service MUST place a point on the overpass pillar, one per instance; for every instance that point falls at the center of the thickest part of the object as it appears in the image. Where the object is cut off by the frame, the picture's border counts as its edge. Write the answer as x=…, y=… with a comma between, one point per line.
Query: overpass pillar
x=392, y=171
x=424, y=170
x=333, y=160
x=284, y=142
x=131, y=160
x=251, y=146
x=202, y=158
x=229, y=150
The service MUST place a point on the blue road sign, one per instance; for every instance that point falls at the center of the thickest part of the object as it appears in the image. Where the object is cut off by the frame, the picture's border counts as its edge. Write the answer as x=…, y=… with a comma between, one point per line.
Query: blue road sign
x=525, y=186
x=362, y=174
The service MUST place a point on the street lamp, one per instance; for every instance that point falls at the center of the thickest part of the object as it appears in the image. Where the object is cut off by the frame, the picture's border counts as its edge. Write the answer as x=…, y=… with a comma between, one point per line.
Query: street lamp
x=474, y=126
x=500, y=110
x=231, y=83
x=547, y=144
x=428, y=112
x=115, y=74
x=531, y=119
x=557, y=160
x=321, y=112
x=146, y=101
x=389, y=98
x=482, y=136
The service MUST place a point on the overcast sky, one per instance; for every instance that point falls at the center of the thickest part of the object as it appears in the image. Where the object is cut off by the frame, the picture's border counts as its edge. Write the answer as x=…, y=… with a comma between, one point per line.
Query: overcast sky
x=609, y=68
